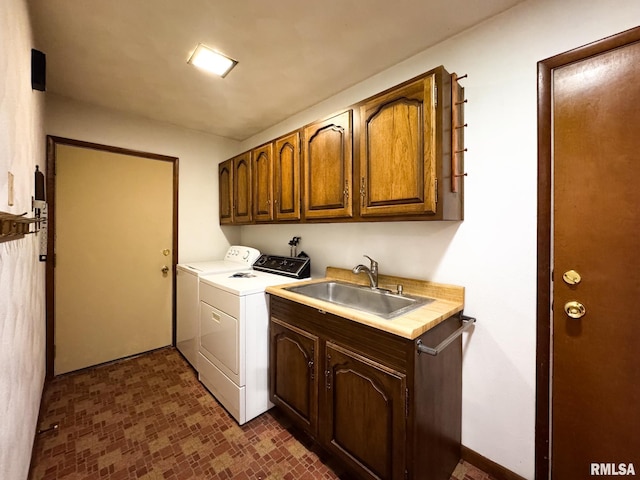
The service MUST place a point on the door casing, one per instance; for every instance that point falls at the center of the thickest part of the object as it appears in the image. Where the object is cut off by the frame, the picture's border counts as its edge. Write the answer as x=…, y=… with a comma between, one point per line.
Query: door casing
x=52, y=142
x=544, y=234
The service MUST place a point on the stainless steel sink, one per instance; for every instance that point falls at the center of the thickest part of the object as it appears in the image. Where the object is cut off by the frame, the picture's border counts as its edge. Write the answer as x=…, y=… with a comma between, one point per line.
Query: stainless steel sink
x=376, y=301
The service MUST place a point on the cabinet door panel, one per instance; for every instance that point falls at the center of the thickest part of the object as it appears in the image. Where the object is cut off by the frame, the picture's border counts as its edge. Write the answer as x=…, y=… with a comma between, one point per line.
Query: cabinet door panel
x=397, y=148
x=365, y=413
x=287, y=177
x=242, y=188
x=328, y=162
x=225, y=188
x=294, y=381
x=262, y=172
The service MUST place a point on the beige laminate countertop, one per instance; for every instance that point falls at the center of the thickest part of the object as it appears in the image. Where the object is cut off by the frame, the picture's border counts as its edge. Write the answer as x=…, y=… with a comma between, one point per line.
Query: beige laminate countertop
x=449, y=300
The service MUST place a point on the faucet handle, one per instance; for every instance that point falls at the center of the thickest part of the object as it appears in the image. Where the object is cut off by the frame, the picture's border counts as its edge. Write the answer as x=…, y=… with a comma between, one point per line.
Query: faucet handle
x=373, y=262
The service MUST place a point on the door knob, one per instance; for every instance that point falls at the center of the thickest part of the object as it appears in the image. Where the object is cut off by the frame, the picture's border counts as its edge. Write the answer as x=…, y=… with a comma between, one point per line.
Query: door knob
x=574, y=309
x=165, y=269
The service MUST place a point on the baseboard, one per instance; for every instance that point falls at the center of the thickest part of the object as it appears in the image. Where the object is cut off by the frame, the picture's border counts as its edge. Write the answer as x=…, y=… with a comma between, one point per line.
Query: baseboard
x=488, y=466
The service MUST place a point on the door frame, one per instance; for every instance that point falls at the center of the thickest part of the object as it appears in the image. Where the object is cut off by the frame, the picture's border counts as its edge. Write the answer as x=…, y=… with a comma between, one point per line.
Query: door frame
x=52, y=143
x=545, y=232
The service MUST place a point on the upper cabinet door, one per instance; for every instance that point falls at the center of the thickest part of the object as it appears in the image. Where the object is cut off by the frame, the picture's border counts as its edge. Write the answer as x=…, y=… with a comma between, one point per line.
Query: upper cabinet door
x=398, y=151
x=262, y=173
x=225, y=189
x=328, y=163
x=287, y=177
x=242, y=206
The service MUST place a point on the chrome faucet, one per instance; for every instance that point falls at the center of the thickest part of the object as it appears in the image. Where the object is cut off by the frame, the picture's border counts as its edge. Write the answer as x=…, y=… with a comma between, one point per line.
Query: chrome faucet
x=372, y=272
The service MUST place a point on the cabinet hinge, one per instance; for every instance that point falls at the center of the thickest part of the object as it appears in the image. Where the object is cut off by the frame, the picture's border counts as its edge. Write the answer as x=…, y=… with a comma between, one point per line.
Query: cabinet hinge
x=435, y=95
x=406, y=403
x=435, y=186
x=406, y=475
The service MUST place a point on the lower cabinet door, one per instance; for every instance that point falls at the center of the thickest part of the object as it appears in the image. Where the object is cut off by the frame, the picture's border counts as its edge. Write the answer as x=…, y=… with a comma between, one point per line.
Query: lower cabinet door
x=294, y=381
x=364, y=414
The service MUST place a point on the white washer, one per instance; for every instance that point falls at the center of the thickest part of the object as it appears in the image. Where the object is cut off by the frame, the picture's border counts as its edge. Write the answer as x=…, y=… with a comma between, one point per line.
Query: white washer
x=187, y=303
x=233, y=354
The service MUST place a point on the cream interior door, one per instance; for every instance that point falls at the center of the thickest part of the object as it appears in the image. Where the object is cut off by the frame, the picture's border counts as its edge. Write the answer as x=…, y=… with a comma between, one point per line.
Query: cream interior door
x=114, y=235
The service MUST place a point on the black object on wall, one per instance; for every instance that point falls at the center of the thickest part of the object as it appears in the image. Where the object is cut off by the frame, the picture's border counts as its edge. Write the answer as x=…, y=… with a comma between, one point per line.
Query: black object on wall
x=38, y=70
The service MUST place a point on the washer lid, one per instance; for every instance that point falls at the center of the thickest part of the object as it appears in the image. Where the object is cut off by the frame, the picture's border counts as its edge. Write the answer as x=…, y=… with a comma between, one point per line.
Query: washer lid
x=250, y=282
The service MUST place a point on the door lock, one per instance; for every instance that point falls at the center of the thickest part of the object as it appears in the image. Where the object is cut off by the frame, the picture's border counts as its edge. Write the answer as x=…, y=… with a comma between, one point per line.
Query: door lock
x=574, y=309
x=571, y=277
x=165, y=269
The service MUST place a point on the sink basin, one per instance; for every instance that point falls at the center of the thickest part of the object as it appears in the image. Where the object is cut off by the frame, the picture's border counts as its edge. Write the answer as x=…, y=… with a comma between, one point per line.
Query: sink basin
x=378, y=302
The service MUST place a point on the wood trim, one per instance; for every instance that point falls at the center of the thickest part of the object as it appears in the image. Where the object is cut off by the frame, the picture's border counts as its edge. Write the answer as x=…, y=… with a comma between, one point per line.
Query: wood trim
x=543, y=325
x=544, y=232
x=52, y=142
x=494, y=469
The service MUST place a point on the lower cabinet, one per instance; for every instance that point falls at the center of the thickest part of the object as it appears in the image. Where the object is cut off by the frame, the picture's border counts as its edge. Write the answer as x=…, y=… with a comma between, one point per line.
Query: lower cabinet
x=294, y=380
x=365, y=413
x=366, y=396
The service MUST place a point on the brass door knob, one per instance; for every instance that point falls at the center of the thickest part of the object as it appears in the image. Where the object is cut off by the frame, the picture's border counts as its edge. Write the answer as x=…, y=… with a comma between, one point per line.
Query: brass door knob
x=165, y=269
x=574, y=309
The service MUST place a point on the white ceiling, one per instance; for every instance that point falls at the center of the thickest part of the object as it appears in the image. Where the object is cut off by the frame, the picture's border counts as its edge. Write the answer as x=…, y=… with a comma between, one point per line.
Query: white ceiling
x=131, y=55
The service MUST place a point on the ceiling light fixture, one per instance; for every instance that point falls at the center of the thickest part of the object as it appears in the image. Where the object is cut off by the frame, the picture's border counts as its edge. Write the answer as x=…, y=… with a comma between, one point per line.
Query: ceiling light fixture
x=207, y=59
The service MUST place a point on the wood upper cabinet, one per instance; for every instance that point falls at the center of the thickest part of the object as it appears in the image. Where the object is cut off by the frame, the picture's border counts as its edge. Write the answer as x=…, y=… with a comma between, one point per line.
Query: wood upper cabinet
x=328, y=164
x=286, y=179
x=400, y=164
x=242, y=206
x=365, y=421
x=398, y=151
x=262, y=178
x=294, y=373
x=225, y=191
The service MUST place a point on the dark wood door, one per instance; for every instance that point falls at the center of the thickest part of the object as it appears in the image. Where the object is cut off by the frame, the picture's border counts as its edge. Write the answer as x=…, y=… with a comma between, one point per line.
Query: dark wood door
x=364, y=412
x=242, y=198
x=262, y=173
x=595, y=376
x=225, y=189
x=294, y=373
x=287, y=177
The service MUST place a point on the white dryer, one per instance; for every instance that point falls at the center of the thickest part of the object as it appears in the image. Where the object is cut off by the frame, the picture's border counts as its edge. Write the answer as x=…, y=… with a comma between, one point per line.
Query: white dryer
x=187, y=301
x=234, y=324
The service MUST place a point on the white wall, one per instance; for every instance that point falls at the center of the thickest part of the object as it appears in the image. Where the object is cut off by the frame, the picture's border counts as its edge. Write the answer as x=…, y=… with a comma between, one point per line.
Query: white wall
x=22, y=323
x=199, y=235
x=493, y=252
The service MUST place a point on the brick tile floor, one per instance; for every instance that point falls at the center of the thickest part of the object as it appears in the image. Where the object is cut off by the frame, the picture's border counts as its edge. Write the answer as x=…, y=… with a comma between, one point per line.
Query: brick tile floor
x=148, y=417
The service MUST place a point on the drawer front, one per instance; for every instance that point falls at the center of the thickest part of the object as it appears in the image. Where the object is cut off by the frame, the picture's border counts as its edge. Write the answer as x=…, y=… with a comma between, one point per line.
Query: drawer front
x=219, y=338
x=223, y=301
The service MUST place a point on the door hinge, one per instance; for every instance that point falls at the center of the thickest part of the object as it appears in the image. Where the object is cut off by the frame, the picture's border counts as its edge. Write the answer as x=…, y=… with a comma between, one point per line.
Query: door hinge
x=406, y=475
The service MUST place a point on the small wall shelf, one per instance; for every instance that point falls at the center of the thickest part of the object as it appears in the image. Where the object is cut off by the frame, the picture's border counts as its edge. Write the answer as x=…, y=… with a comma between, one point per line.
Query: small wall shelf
x=14, y=227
